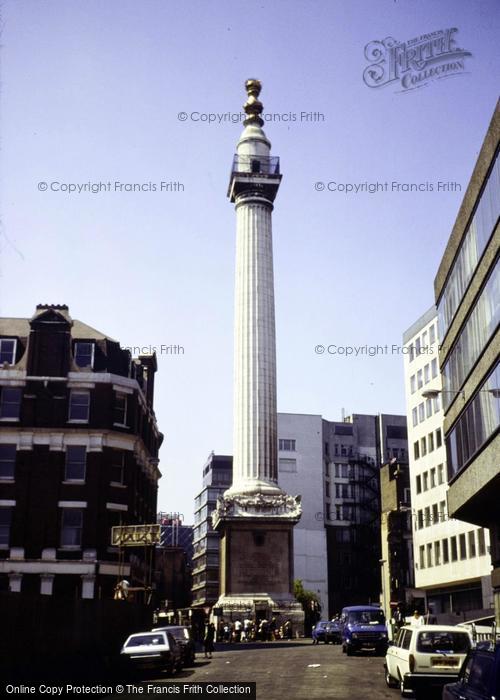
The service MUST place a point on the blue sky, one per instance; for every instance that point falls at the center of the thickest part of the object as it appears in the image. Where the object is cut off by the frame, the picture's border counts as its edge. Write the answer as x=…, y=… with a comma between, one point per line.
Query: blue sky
x=91, y=92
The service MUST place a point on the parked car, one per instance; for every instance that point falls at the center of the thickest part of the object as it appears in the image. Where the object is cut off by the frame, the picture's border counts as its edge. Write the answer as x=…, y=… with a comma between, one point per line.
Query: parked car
x=183, y=637
x=326, y=631
x=424, y=658
x=152, y=650
x=363, y=629
x=479, y=677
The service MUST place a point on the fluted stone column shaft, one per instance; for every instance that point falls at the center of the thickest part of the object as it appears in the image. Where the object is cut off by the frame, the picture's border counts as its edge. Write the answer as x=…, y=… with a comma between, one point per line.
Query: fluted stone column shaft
x=255, y=418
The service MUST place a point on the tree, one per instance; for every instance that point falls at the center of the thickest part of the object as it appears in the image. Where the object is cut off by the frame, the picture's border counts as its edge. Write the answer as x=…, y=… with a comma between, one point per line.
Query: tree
x=310, y=605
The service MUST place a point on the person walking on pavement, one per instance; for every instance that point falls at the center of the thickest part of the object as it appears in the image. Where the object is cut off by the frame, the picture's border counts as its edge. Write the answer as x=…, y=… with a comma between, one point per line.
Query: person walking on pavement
x=208, y=640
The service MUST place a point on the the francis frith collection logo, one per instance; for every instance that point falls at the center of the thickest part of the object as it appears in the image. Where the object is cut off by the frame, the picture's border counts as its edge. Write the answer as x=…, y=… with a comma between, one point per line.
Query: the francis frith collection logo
x=414, y=63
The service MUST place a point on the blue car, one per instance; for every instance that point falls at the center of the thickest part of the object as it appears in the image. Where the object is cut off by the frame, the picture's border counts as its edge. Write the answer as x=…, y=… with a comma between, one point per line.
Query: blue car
x=326, y=631
x=363, y=629
x=479, y=677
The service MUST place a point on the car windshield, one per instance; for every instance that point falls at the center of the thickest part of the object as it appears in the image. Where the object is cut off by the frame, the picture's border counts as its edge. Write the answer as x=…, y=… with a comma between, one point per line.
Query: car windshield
x=145, y=640
x=366, y=617
x=435, y=641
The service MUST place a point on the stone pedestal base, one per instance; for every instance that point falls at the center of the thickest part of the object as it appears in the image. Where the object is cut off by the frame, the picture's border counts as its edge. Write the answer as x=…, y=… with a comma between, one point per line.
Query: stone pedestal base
x=256, y=558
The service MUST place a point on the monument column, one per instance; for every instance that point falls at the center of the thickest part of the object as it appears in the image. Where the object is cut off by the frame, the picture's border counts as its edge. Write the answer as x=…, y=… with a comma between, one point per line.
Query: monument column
x=255, y=517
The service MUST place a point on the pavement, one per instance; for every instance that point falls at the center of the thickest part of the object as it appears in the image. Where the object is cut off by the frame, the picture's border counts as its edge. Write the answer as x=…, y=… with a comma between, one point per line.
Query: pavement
x=291, y=670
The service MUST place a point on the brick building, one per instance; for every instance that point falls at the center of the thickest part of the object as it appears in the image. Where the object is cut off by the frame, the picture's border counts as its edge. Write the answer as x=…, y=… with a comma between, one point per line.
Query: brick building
x=78, y=454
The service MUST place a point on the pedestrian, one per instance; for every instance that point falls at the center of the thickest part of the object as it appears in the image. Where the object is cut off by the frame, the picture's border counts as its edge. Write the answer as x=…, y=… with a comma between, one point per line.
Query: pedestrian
x=417, y=620
x=288, y=629
x=237, y=630
x=272, y=629
x=208, y=640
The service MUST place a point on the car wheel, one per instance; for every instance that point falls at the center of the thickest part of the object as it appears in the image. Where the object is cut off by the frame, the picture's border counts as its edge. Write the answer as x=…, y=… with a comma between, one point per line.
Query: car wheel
x=390, y=681
x=349, y=651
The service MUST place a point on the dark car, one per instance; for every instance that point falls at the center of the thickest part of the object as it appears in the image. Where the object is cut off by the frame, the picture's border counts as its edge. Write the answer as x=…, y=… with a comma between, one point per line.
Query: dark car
x=183, y=637
x=479, y=677
x=326, y=631
x=146, y=651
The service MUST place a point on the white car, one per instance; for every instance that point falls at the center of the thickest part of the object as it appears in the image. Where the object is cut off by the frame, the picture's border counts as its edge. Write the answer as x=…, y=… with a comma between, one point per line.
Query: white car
x=425, y=657
x=151, y=650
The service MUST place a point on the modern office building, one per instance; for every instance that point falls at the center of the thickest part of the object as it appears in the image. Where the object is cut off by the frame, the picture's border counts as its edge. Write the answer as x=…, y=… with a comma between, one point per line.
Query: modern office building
x=467, y=291
x=354, y=451
x=217, y=477
x=78, y=454
x=301, y=471
x=452, y=562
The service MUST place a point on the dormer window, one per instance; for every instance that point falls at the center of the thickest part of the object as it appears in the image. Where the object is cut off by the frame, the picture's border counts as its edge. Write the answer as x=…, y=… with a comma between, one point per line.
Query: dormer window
x=84, y=354
x=8, y=351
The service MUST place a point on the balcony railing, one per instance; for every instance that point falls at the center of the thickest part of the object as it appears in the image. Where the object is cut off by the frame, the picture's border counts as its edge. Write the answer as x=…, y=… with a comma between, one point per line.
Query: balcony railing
x=256, y=165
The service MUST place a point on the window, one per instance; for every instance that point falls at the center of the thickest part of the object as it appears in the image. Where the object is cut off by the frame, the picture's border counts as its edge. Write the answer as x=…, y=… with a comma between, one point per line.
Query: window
x=419, y=484
x=328, y=512
x=426, y=481
x=472, y=543
x=287, y=465
x=433, y=477
x=412, y=353
x=446, y=552
x=120, y=409
x=481, y=542
x=84, y=354
x=430, y=443
x=427, y=375
x=422, y=556
x=437, y=403
x=7, y=351
x=434, y=368
x=440, y=473
x=424, y=341
x=416, y=450
x=427, y=516
x=454, y=551
x=71, y=527
x=79, y=406
x=428, y=408
x=420, y=382
x=414, y=416
x=76, y=462
x=7, y=461
x=437, y=553
x=432, y=334
x=327, y=489
x=412, y=384
x=442, y=510
x=477, y=674
x=10, y=403
x=463, y=546
x=423, y=446
x=429, y=555
x=439, y=437
x=421, y=411
x=471, y=249
x=417, y=349
x=420, y=519
x=406, y=639
x=435, y=513
x=5, y=522
x=475, y=334
x=289, y=446
x=475, y=425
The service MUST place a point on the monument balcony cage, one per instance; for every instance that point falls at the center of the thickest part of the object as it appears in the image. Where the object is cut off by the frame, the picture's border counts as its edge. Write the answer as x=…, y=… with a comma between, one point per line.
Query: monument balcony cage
x=267, y=166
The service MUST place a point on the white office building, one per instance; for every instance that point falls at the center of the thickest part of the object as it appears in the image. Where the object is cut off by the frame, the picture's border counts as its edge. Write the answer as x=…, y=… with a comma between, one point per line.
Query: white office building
x=300, y=472
x=452, y=562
